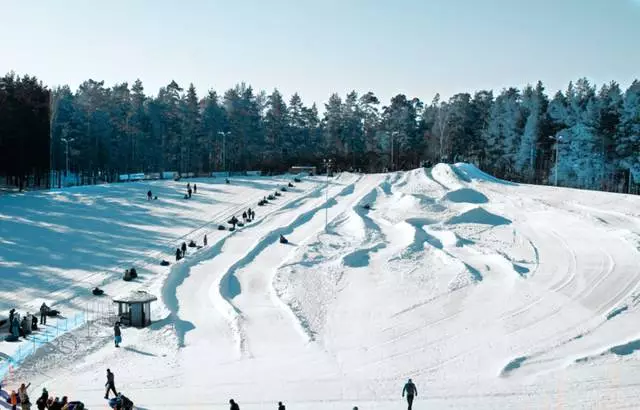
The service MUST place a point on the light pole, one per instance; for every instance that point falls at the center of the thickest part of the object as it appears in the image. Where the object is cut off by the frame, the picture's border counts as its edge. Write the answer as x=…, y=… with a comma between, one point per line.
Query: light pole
x=224, y=150
x=393, y=134
x=67, y=141
x=327, y=164
x=557, y=139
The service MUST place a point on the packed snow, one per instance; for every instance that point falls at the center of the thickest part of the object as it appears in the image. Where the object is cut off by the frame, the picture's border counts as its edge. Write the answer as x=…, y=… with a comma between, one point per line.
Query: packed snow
x=488, y=294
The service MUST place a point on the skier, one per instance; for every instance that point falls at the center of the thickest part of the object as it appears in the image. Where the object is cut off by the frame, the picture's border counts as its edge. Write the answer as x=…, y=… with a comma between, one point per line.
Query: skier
x=195, y=188
x=234, y=405
x=149, y=195
x=117, y=335
x=110, y=385
x=411, y=391
x=281, y=406
x=43, y=313
x=205, y=240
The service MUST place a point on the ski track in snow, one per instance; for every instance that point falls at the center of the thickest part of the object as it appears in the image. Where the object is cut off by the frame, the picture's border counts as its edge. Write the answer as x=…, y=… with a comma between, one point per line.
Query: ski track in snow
x=449, y=276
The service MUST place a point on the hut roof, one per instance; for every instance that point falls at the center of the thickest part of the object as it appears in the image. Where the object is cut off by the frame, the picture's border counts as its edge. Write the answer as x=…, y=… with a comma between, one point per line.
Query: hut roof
x=136, y=296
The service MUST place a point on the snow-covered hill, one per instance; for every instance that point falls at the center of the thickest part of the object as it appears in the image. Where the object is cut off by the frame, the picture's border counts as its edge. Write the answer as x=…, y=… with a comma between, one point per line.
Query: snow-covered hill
x=488, y=294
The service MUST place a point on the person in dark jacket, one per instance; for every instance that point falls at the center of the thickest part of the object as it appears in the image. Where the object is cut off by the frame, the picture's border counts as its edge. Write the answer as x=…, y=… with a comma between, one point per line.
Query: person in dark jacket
x=12, y=313
x=41, y=403
x=44, y=309
x=195, y=188
x=149, y=195
x=178, y=254
x=117, y=335
x=234, y=405
x=281, y=406
x=205, y=240
x=110, y=385
x=184, y=249
x=411, y=391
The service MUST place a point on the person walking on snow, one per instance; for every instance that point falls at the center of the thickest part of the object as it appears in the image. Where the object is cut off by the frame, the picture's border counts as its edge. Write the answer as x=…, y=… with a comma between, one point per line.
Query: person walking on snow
x=195, y=188
x=234, y=405
x=117, y=335
x=43, y=313
x=205, y=240
x=411, y=391
x=281, y=406
x=110, y=385
x=149, y=195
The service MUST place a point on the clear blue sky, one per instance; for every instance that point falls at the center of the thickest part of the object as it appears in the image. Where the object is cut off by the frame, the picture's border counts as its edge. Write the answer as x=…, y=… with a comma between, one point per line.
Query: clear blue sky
x=416, y=47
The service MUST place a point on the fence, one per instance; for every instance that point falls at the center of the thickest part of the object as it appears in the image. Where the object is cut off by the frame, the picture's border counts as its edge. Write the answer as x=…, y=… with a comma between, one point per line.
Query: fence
x=97, y=317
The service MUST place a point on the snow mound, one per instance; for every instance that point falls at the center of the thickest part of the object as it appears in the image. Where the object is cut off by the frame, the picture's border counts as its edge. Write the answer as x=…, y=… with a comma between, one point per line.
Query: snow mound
x=480, y=216
x=466, y=195
x=469, y=172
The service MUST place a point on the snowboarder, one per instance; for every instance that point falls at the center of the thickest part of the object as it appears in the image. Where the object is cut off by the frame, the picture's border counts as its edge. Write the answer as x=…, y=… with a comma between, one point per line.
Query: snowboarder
x=149, y=195
x=205, y=240
x=184, y=249
x=234, y=405
x=411, y=391
x=117, y=334
x=281, y=406
x=44, y=309
x=195, y=188
x=110, y=385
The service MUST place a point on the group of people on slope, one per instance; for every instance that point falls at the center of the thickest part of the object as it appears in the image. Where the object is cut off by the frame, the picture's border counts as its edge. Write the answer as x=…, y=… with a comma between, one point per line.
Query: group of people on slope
x=25, y=325
x=44, y=402
x=410, y=390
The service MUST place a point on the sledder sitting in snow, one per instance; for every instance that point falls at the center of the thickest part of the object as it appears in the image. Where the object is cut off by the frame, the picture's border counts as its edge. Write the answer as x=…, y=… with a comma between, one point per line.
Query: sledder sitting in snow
x=283, y=239
x=192, y=244
x=97, y=291
x=121, y=402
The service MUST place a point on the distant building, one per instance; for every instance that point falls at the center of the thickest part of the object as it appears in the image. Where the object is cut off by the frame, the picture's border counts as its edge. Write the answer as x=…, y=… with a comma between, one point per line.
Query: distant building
x=134, y=309
x=300, y=169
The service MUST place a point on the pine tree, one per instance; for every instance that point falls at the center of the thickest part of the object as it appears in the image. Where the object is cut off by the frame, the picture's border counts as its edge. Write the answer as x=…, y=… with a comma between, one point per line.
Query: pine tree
x=628, y=141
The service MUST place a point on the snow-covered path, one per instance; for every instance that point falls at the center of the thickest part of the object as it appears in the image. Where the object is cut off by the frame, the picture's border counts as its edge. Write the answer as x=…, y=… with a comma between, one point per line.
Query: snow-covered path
x=488, y=294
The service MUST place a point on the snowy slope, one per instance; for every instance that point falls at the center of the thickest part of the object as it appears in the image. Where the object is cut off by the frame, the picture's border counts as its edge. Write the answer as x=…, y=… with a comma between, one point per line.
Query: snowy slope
x=488, y=294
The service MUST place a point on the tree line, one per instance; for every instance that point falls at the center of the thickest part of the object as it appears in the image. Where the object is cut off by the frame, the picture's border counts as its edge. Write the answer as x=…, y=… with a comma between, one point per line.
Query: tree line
x=582, y=137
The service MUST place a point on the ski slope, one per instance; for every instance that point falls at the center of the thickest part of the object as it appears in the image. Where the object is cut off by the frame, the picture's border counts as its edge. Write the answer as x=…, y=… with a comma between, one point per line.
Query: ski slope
x=488, y=294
